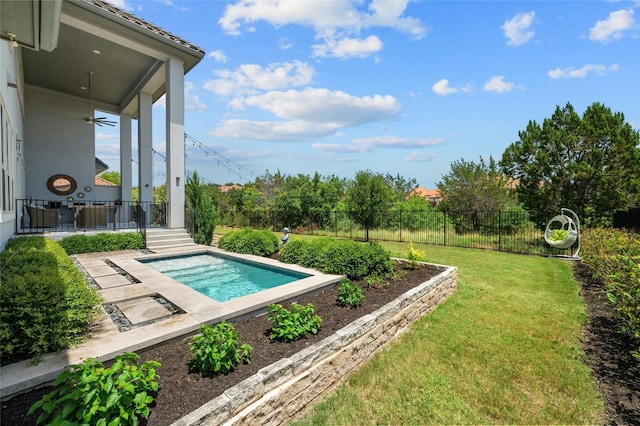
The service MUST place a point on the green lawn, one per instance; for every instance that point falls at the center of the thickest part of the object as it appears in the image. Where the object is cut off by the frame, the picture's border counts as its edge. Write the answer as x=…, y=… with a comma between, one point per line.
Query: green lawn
x=503, y=349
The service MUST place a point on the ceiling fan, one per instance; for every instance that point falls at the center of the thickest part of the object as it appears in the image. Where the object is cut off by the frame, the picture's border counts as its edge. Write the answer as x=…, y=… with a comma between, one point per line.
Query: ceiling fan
x=100, y=121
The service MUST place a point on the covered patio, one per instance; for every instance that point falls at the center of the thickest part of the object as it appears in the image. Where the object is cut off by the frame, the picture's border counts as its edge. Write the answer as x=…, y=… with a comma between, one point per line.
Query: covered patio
x=64, y=63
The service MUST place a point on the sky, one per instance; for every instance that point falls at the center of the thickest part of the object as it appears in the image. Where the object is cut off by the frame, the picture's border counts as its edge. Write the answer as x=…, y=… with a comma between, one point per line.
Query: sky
x=390, y=86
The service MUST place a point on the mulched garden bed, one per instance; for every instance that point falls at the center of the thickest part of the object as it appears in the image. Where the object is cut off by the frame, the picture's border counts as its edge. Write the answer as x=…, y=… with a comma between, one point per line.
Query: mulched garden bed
x=607, y=352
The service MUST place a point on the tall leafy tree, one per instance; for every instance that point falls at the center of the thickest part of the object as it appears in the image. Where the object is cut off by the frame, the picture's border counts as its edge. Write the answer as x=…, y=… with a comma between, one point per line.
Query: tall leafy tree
x=204, y=209
x=473, y=192
x=589, y=164
x=368, y=198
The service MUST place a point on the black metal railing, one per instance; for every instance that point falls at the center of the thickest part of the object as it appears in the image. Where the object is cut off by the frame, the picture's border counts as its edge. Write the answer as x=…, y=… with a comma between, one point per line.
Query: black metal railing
x=507, y=231
x=141, y=215
x=41, y=215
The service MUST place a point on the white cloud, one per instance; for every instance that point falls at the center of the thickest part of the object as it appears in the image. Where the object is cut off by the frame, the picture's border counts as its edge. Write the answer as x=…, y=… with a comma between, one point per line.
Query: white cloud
x=421, y=156
x=337, y=23
x=307, y=114
x=191, y=100
x=278, y=131
x=249, y=78
x=497, y=84
x=341, y=148
x=442, y=88
x=361, y=145
x=218, y=55
x=518, y=30
x=582, y=72
x=122, y=4
x=285, y=44
x=397, y=142
x=348, y=47
x=612, y=27
x=326, y=106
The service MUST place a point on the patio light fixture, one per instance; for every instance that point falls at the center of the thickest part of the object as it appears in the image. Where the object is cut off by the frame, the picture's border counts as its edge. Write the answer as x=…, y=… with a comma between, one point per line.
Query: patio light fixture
x=12, y=37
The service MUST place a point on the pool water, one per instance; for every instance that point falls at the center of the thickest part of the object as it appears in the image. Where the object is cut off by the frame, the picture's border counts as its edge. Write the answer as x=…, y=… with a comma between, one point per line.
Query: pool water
x=222, y=278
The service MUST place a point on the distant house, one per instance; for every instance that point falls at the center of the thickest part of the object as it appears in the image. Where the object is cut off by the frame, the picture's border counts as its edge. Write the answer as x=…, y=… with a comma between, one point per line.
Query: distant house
x=431, y=195
x=227, y=188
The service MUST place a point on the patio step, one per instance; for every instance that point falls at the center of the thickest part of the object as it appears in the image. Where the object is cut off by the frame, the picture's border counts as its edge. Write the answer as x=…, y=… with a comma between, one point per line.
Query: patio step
x=168, y=238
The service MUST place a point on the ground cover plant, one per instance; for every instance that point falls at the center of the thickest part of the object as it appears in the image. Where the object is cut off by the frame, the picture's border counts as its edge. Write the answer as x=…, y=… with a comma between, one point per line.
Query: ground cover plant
x=46, y=302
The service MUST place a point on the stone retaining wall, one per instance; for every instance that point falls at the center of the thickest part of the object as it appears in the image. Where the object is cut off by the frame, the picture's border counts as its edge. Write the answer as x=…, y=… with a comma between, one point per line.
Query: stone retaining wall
x=283, y=390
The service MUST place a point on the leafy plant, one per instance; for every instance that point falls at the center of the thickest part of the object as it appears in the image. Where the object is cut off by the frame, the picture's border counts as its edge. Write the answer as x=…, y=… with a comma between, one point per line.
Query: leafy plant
x=375, y=281
x=216, y=350
x=294, y=324
x=349, y=294
x=89, y=393
x=415, y=256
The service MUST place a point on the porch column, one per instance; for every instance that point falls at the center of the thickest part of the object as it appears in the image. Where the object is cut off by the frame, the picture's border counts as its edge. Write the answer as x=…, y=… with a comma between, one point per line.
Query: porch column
x=145, y=150
x=175, y=142
x=126, y=175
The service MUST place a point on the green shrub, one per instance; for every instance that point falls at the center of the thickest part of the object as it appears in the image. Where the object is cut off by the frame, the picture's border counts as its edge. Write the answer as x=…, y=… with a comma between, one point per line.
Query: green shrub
x=341, y=257
x=91, y=394
x=349, y=294
x=294, y=324
x=613, y=256
x=415, y=256
x=249, y=241
x=46, y=302
x=104, y=241
x=216, y=350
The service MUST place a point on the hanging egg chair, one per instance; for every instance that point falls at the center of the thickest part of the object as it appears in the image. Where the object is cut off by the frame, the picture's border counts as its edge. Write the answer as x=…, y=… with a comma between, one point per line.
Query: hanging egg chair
x=563, y=231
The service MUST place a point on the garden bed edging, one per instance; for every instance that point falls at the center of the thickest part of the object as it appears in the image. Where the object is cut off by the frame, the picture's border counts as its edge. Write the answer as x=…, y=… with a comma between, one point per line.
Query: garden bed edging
x=285, y=389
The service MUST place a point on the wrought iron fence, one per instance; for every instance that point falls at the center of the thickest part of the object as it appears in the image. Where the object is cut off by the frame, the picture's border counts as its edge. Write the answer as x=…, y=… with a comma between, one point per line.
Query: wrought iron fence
x=507, y=231
x=40, y=215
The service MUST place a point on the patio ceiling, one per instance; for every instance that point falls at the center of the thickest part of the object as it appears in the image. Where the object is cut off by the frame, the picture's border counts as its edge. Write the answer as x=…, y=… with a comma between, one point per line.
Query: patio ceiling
x=125, y=54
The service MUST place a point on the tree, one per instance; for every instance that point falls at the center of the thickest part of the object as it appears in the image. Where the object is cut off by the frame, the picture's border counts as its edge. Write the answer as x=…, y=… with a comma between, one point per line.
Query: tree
x=113, y=177
x=589, y=164
x=474, y=193
x=204, y=210
x=367, y=198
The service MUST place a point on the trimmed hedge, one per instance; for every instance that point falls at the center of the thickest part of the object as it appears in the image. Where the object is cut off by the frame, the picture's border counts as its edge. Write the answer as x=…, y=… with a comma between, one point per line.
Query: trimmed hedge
x=341, y=257
x=46, y=302
x=105, y=241
x=249, y=241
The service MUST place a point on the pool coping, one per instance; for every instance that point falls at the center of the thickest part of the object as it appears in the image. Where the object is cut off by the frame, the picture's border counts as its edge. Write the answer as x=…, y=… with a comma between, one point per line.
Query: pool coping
x=106, y=342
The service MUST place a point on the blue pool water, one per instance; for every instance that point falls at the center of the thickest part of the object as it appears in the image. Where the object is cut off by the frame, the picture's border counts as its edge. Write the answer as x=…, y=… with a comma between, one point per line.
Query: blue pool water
x=222, y=278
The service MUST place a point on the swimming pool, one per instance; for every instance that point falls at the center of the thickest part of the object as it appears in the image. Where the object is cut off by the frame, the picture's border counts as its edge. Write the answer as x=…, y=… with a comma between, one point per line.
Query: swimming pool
x=222, y=278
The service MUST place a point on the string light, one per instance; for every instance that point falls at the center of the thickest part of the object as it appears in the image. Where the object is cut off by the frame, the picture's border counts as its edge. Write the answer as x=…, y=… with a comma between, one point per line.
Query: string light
x=217, y=156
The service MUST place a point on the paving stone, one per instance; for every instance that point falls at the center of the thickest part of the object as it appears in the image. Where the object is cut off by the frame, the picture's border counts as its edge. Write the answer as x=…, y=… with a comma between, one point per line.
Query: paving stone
x=109, y=281
x=141, y=311
x=100, y=271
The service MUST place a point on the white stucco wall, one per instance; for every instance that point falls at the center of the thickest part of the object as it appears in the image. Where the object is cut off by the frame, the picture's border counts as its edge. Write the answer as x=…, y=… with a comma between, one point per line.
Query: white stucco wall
x=57, y=140
x=11, y=92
